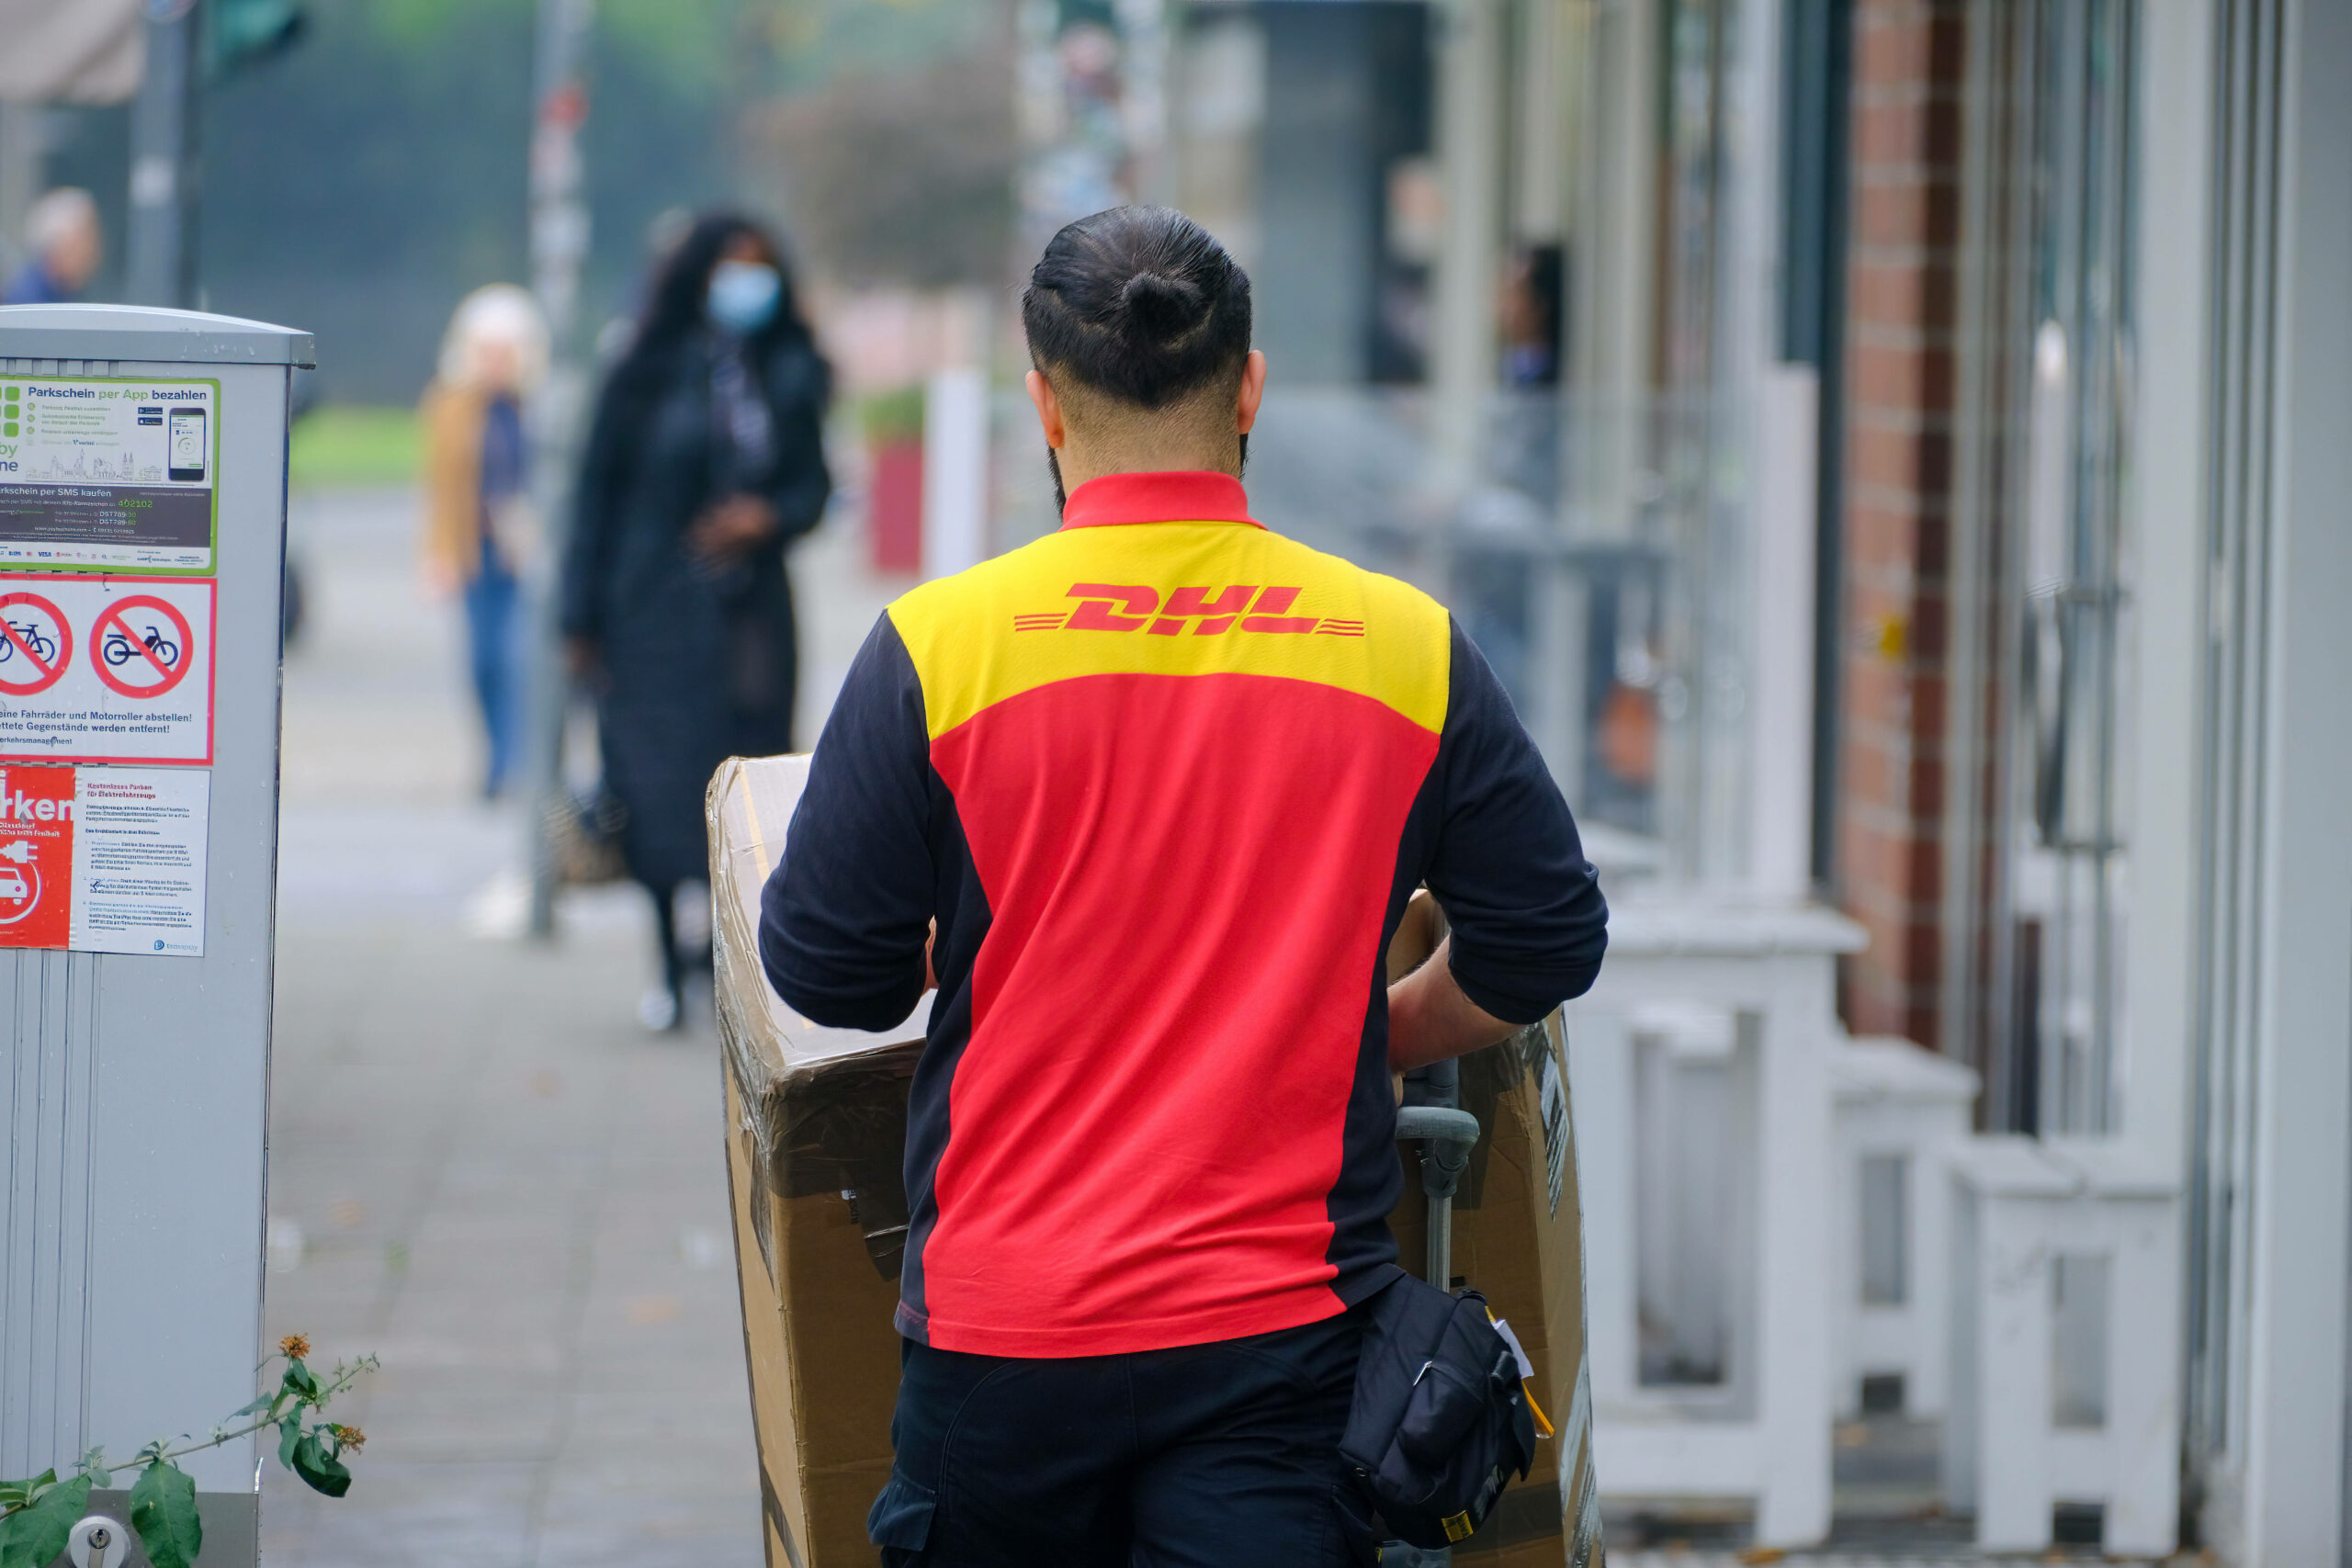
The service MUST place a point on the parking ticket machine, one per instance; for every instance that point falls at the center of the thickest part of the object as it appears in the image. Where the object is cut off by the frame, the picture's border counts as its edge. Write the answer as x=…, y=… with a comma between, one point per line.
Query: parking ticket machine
x=143, y=521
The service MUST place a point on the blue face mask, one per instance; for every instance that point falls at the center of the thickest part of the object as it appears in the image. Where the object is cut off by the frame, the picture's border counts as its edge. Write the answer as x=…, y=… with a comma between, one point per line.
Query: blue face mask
x=743, y=296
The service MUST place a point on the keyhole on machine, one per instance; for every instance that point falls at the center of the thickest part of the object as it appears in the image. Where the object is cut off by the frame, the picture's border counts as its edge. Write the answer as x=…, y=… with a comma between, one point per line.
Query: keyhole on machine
x=98, y=1542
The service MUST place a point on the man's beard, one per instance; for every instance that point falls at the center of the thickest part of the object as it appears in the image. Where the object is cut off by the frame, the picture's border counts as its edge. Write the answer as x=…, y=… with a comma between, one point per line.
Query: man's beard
x=1061, y=496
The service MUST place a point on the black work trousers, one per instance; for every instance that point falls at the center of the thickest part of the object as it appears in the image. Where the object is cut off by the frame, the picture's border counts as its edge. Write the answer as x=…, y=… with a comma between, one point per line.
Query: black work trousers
x=1224, y=1454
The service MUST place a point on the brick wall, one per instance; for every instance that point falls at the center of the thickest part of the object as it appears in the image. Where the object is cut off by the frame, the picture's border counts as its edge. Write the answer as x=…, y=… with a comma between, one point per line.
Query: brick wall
x=1908, y=60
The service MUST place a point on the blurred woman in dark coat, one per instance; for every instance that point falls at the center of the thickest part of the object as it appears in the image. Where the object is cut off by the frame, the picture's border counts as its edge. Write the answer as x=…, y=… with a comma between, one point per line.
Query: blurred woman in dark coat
x=705, y=459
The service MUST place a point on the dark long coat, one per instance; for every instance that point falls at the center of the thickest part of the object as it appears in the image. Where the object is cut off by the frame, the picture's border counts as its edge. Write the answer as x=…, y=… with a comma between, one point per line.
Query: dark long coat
x=699, y=665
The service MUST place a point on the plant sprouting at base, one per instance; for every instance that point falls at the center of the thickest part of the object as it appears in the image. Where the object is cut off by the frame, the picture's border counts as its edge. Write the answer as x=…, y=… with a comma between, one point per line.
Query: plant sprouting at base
x=38, y=1515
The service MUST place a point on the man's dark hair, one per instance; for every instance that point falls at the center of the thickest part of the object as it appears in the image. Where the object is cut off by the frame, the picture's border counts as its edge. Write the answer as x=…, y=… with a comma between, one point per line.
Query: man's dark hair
x=1140, y=303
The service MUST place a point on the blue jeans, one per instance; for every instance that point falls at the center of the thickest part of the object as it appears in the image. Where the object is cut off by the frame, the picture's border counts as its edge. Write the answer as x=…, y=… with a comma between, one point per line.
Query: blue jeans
x=1224, y=1455
x=495, y=654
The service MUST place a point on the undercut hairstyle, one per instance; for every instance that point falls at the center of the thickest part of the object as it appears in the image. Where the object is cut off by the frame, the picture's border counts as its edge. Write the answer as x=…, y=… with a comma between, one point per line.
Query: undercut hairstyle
x=1141, y=304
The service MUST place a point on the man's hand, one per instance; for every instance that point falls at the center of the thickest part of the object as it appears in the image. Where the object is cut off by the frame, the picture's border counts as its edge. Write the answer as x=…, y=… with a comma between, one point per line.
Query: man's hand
x=1430, y=1020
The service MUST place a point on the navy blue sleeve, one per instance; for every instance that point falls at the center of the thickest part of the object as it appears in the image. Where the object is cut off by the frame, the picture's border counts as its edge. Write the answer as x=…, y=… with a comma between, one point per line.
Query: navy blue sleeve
x=846, y=912
x=1528, y=921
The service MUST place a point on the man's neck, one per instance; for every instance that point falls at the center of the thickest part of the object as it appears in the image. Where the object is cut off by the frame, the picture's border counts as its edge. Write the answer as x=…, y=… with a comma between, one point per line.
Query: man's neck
x=1078, y=467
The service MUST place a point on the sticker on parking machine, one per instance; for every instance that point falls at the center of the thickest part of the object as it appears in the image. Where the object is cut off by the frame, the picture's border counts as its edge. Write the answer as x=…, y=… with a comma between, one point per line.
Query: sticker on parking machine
x=106, y=669
x=103, y=860
x=103, y=473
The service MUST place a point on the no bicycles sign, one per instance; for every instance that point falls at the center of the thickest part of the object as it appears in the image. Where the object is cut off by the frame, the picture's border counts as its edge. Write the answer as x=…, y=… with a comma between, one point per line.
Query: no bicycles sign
x=39, y=644
x=106, y=669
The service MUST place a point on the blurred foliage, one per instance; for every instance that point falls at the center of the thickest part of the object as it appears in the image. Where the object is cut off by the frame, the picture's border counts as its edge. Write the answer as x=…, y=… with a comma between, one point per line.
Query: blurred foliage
x=892, y=418
x=755, y=46
x=817, y=41
x=358, y=189
x=346, y=443
x=359, y=184
x=904, y=178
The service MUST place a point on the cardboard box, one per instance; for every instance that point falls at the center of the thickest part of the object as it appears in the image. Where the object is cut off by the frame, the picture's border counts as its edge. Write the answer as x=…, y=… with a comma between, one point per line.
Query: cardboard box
x=1518, y=1238
x=815, y=1125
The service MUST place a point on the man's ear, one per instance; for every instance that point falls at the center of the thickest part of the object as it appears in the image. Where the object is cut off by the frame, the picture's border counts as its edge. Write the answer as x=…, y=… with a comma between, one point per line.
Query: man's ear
x=1254, y=392
x=1049, y=409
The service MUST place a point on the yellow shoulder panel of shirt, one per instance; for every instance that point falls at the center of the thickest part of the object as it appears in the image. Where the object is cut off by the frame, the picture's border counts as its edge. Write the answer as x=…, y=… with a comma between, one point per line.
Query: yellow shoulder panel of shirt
x=1172, y=599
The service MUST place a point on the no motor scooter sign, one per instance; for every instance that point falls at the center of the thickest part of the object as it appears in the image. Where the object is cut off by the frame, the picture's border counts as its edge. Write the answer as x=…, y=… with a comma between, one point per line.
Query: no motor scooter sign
x=106, y=669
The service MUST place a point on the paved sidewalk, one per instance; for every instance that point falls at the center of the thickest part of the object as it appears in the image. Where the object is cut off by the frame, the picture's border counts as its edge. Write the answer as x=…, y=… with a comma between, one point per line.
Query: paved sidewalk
x=481, y=1170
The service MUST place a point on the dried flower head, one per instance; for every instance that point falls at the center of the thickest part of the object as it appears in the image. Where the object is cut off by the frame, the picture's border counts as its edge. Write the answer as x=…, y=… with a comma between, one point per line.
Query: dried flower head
x=294, y=1347
x=351, y=1437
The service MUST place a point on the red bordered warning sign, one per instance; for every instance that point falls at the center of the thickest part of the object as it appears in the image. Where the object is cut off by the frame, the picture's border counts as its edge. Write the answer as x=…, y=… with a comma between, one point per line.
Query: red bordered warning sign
x=102, y=668
x=142, y=646
x=36, y=644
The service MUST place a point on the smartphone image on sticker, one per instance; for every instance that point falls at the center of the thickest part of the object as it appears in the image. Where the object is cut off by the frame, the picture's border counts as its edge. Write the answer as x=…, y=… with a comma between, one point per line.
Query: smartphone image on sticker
x=186, y=434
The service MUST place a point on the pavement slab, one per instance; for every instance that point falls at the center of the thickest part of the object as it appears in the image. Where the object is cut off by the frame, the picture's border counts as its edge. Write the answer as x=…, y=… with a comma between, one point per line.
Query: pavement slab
x=482, y=1171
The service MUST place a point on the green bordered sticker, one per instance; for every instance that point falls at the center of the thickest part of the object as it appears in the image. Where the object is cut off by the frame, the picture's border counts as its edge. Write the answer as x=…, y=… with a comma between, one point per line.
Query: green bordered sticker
x=109, y=474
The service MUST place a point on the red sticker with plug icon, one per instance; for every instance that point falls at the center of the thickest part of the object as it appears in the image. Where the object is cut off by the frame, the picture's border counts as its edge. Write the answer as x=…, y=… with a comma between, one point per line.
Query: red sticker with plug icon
x=36, y=856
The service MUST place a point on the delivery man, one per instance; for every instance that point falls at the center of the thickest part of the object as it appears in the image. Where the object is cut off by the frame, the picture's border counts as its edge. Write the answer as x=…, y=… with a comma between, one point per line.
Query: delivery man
x=1163, y=783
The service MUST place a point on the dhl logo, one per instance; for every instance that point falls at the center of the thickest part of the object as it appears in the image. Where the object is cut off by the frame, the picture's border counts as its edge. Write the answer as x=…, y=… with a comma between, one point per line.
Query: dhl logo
x=1129, y=607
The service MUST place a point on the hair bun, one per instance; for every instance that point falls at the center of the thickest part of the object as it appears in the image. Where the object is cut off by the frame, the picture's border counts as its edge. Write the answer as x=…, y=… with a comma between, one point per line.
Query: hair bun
x=1162, y=308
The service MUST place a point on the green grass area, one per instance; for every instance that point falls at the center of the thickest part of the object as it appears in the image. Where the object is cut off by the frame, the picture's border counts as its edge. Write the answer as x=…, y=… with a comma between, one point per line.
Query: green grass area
x=354, y=446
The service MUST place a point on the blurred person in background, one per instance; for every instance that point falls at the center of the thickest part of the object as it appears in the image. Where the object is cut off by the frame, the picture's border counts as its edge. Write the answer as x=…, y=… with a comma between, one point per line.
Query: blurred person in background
x=1503, y=521
x=478, y=530
x=1534, y=302
x=64, y=243
x=705, y=459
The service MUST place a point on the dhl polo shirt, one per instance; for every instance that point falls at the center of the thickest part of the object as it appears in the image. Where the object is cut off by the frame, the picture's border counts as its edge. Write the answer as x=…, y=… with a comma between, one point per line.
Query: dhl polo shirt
x=1166, y=780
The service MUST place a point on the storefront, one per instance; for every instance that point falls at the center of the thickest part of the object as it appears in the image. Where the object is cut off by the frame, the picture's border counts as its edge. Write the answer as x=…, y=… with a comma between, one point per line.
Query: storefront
x=1887, y=446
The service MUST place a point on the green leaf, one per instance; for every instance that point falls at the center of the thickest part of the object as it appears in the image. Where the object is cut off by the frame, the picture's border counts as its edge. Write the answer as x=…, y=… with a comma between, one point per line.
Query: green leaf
x=35, y=1534
x=300, y=1381
x=94, y=1465
x=289, y=1432
x=162, y=1510
x=323, y=1469
x=17, y=1493
x=257, y=1406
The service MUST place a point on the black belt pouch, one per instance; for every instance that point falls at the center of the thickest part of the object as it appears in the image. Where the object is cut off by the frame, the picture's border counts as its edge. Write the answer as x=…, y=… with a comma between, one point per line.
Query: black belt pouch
x=1441, y=1422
